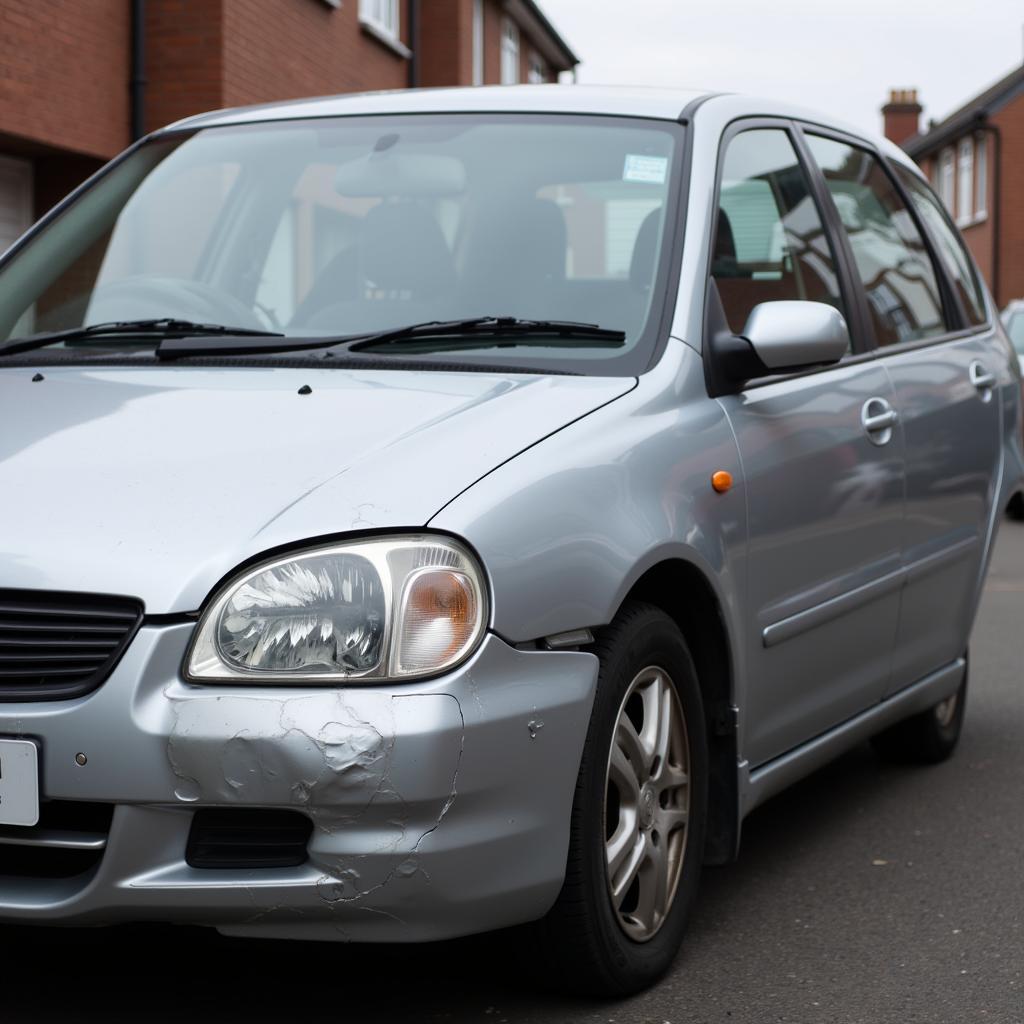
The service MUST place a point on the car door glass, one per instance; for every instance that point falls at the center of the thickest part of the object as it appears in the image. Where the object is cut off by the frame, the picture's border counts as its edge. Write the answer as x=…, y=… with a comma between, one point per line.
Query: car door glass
x=951, y=249
x=770, y=242
x=891, y=259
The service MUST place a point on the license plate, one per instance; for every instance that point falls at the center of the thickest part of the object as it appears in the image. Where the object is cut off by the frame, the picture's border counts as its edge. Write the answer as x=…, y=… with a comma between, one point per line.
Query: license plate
x=19, y=782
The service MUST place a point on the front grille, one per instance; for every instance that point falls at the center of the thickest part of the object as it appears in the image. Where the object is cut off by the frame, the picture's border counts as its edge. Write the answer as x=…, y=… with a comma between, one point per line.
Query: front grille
x=248, y=838
x=54, y=646
x=68, y=840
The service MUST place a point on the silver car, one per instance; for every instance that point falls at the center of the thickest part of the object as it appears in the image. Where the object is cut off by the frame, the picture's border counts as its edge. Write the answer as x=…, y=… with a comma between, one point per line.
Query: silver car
x=429, y=513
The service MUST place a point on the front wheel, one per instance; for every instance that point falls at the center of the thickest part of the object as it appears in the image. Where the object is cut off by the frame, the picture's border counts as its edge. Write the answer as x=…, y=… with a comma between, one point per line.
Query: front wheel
x=637, y=830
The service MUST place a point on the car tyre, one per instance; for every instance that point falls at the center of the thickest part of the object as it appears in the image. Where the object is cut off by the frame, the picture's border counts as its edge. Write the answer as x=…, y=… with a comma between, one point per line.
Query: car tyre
x=606, y=935
x=929, y=737
x=1015, y=510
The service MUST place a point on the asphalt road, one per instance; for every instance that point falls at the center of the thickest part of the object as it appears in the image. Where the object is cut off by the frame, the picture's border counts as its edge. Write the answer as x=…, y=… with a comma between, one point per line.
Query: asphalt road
x=867, y=893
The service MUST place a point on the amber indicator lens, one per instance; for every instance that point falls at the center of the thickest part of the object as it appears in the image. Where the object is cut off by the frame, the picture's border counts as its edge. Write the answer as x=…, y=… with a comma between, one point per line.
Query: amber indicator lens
x=721, y=481
x=439, y=619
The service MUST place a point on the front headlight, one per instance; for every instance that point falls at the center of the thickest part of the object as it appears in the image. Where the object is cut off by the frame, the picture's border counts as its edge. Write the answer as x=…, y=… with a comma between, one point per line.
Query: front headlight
x=390, y=608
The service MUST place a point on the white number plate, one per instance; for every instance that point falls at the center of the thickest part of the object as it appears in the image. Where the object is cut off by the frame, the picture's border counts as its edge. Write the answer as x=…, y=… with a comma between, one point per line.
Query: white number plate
x=19, y=782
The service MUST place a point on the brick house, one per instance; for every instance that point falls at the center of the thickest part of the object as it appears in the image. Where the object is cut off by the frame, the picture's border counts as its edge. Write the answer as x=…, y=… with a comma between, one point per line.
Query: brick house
x=79, y=79
x=973, y=158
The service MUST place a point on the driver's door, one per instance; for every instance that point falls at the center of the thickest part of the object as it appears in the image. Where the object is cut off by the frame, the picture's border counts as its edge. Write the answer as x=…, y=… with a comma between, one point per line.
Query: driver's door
x=824, y=487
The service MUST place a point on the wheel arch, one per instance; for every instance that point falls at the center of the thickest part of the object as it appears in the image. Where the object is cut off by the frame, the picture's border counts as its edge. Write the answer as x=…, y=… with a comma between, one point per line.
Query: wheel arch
x=681, y=590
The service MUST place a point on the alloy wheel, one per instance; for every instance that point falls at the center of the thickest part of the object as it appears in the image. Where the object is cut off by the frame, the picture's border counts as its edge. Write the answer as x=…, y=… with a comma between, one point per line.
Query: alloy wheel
x=647, y=802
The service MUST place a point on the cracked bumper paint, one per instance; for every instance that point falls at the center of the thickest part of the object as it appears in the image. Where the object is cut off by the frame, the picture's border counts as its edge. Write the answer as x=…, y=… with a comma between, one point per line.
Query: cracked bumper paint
x=438, y=808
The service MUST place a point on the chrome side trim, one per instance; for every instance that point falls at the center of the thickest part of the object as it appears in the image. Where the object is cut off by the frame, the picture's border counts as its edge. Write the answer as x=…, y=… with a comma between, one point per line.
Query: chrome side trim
x=55, y=839
x=801, y=622
x=932, y=563
x=776, y=775
x=819, y=614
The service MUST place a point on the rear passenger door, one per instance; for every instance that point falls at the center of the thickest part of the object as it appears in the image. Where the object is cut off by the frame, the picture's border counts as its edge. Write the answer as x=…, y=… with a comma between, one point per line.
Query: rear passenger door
x=823, y=475
x=928, y=323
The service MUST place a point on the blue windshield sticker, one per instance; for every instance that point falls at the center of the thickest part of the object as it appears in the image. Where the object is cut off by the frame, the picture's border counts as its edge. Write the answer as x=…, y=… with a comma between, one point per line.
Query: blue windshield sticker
x=648, y=170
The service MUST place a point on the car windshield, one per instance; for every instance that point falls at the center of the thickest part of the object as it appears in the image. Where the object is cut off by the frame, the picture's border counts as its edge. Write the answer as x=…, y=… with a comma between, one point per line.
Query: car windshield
x=344, y=226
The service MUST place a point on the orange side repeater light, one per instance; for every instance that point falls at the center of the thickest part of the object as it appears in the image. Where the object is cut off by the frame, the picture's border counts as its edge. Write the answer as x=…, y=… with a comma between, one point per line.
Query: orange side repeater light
x=721, y=481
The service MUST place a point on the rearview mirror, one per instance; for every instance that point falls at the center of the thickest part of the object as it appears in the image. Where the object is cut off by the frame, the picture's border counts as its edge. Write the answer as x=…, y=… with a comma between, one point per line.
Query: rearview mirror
x=795, y=335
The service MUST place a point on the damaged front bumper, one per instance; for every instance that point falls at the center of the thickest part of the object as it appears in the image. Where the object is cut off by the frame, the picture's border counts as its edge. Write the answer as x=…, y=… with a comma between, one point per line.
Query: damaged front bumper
x=439, y=808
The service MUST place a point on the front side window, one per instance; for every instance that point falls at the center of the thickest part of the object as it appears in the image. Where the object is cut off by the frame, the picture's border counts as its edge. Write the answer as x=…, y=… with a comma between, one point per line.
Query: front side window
x=336, y=227
x=770, y=242
x=509, y=52
x=951, y=248
x=965, y=182
x=890, y=255
x=381, y=14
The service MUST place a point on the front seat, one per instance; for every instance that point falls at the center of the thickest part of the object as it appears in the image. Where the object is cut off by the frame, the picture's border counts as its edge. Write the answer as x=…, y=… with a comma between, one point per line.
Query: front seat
x=403, y=268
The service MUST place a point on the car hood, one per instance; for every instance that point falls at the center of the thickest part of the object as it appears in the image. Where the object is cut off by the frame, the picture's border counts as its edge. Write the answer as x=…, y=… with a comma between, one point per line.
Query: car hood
x=156, y=482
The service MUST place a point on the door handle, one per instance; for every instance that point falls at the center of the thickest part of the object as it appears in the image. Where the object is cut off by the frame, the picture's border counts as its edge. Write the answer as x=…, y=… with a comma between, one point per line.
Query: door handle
x=982, y=380
x=878, y=418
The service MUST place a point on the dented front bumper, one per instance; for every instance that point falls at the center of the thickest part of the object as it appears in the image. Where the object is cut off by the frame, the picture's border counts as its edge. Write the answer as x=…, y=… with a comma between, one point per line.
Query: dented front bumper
x=439, y=808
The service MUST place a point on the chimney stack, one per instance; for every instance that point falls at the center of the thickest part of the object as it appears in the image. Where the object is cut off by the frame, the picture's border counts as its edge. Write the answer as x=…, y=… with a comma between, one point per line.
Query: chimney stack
x=902, y=115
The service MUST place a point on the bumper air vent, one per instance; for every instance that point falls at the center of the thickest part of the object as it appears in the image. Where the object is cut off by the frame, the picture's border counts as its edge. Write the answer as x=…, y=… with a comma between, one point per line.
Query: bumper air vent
x=243, y=838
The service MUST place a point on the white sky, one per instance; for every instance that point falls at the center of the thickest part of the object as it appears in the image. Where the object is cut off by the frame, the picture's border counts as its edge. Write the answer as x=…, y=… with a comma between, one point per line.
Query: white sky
x=839, y=57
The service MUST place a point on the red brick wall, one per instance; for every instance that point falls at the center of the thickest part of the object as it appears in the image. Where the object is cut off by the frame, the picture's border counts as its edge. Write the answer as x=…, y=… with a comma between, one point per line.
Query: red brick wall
x=493, y=19
x=446, y=42
x=1010, y=122
x=64, y=70
x=184, y=59
x=278, y=50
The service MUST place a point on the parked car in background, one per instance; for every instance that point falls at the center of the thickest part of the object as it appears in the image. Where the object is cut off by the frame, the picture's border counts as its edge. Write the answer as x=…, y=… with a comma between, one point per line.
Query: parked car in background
x=1013, y=321
x=431, y=513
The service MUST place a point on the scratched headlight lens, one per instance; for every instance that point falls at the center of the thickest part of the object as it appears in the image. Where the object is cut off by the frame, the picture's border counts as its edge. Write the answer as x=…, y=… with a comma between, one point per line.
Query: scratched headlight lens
x=378, y=609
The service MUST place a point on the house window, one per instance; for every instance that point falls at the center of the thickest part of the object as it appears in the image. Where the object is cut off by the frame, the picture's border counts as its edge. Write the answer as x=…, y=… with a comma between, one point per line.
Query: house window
x=381, y=15
x=965, y=182
x=509, y=53
x=980, y=178
x=478, y=42
x=538, y=70
x=945, y=178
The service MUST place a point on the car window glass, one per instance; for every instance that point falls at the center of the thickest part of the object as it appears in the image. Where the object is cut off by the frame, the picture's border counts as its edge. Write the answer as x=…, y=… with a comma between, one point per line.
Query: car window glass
x=950, y=246
x=770, y=243
x=890, y=255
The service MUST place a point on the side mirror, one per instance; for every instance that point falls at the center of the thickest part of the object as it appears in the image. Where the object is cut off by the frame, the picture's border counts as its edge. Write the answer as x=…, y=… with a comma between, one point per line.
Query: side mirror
x=784, y=336
x=794, y=335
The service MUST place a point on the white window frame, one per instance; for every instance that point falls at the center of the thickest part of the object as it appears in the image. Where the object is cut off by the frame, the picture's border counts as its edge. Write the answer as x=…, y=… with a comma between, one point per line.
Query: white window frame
x=965, y=181
x=980, y=178
x=945, y=179
x=382, y=15
x=509, y=52
x=537, y=72
x=478, y=42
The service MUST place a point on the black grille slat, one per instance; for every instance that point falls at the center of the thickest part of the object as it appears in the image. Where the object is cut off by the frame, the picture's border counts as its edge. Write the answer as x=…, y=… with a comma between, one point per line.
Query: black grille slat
x=54, y=645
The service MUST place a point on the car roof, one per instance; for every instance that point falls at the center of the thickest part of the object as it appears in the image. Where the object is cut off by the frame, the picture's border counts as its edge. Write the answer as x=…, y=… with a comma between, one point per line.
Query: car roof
x=612, y=100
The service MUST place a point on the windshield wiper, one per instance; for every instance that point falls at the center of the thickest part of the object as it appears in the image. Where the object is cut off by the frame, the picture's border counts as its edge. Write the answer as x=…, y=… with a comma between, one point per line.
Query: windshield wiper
x=514, y=328
x=468, y=332
x=161, y=327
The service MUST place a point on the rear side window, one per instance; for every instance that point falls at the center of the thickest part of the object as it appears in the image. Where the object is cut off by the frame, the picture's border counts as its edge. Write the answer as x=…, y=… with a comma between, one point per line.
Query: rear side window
x=770, y=243
x=951, y=248
x=891, y=258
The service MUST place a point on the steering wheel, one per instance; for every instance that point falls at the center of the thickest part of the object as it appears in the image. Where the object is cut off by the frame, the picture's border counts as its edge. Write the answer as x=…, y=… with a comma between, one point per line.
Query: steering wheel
x=144, y=296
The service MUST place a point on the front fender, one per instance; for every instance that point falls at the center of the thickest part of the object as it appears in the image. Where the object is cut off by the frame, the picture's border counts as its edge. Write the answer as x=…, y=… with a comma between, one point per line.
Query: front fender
x=567, y=527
